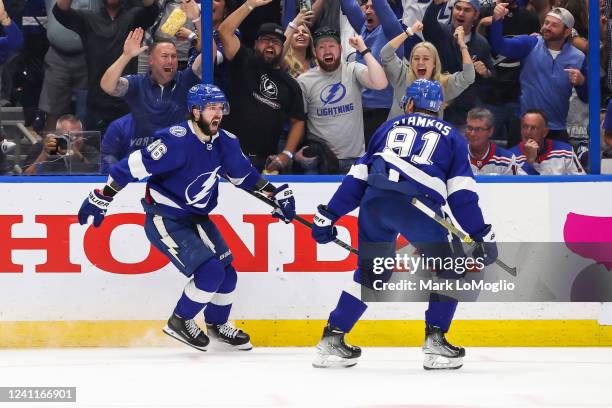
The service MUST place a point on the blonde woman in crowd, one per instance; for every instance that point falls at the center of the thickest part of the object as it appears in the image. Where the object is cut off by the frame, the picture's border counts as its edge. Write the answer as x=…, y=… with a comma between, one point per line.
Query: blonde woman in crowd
x=424, y=63
x=298, y=50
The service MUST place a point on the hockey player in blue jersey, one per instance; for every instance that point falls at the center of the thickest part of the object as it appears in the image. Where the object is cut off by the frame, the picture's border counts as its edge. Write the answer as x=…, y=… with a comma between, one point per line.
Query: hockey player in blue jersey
x=184, y=165
x=413, y=155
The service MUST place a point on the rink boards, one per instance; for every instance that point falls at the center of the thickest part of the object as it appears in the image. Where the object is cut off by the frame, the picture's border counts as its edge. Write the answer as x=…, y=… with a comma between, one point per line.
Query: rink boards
x=62, y=284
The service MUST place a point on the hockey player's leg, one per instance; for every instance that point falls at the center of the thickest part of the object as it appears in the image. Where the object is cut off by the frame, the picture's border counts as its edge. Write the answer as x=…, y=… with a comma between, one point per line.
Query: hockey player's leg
x=375, y=240
x=332, y=350
x=439, y=353
x=432, y=241
x=217, y=314
x=197, y=294
x=179, y=241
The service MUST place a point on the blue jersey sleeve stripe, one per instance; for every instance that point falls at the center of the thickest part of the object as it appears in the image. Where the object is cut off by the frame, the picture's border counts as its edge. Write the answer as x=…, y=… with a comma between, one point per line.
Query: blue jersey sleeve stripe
x=136, y=165
x=460, y=183
x=416, y=174
x=359, y=171
x=237, y=181
x=162, y=199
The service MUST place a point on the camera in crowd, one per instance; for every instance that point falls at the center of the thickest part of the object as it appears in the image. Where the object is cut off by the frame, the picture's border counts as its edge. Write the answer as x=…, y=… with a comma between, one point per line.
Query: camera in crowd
x=62, y=142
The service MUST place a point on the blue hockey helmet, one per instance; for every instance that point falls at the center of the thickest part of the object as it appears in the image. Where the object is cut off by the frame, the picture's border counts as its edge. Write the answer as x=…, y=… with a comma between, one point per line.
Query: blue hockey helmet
x=201, y=95
x=425, y=93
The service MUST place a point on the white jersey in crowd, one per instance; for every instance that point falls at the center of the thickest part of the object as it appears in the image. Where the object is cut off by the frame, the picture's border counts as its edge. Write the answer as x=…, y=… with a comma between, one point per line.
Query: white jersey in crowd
x=558, y=158
x=496, y=161
x=332, y=101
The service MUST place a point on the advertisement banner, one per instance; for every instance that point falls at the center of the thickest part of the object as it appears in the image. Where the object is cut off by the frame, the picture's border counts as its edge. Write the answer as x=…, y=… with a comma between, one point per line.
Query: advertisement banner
x=51, y=268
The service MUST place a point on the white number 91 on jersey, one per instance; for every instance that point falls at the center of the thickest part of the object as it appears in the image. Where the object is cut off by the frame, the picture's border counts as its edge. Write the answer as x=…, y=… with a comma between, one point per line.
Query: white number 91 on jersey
x=401, y=141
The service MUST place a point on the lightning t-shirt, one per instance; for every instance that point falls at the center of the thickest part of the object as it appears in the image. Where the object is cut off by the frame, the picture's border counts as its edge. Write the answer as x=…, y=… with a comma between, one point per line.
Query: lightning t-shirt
x=332, y=101
x=184, y=170
x=262, y=100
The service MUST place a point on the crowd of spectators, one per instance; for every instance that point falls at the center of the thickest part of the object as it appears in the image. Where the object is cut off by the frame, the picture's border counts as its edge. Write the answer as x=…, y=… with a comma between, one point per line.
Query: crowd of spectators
x=308, y=81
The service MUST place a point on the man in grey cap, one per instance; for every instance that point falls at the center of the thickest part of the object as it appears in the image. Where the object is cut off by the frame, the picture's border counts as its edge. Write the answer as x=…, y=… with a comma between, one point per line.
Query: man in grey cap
x=551, y=66
x=262, y=96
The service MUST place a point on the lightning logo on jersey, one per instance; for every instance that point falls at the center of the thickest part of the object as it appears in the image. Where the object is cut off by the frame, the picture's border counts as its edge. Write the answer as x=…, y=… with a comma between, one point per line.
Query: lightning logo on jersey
x=202, y=188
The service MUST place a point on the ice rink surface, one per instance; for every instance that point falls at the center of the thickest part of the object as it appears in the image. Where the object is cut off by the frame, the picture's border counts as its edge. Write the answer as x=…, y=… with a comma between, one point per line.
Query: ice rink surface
x=283, y=377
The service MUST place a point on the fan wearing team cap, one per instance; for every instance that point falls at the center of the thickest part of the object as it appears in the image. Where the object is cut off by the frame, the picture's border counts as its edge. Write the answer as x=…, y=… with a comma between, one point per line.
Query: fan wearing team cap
x=262, y=95
x=551, y=66
x=332, y=96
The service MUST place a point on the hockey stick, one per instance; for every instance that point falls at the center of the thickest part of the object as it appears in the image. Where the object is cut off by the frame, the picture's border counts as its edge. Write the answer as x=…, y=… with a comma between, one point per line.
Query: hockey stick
x=302, y=221
x=454, y=230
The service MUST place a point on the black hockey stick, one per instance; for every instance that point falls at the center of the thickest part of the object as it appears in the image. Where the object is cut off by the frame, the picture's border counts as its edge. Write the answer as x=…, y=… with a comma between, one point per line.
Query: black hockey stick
x=302, y=221
x=455, y=231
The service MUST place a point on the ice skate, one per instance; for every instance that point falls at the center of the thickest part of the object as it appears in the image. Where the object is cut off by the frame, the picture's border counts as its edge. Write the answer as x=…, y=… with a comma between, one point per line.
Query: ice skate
x=186, y=331
x=439, y=353
x=229, y=335
x=332, y=350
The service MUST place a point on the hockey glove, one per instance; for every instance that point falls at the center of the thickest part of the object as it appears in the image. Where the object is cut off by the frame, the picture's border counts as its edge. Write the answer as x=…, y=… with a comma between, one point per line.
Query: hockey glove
x=95, y=205
x=283, y=197
x=486, y=248
x=323, y=230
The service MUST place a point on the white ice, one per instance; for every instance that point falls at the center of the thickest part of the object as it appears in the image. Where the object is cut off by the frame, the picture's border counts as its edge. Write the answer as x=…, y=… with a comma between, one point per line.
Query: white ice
x=283, y=377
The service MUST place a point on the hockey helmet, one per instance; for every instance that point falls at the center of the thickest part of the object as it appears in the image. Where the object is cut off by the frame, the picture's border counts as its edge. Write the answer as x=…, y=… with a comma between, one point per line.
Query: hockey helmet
x=201, y=95
x=425, y=93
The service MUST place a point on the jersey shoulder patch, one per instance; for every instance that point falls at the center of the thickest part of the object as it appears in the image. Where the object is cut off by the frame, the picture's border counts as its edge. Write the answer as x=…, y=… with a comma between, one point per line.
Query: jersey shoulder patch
x=178, y=131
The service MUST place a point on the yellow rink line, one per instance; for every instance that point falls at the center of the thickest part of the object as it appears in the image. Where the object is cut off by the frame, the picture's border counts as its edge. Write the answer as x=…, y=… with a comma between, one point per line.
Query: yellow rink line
x=491, y=333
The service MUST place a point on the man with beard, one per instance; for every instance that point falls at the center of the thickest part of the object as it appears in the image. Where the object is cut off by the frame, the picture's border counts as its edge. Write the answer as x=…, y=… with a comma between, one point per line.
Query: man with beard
x=332, y=95
x=102, y=33
x=184, y=165
x=264, y=97
x=551, y=66
x=157, y=99
x=444, y=37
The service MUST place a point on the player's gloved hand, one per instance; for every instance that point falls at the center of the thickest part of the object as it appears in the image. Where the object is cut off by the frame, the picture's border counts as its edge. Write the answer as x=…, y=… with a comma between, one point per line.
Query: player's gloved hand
x=283, y=197
x=323, y=230
x=95, y=205
x=486, y=247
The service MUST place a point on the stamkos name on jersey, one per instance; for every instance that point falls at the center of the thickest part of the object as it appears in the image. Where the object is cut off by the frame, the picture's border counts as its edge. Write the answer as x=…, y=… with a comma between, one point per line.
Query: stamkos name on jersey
x=336, y=110
x=448, y=285
x=421, y=121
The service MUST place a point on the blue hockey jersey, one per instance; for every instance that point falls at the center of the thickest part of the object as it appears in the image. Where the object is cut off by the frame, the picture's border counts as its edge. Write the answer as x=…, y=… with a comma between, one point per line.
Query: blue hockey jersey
x=184, y=168
x=417, y=155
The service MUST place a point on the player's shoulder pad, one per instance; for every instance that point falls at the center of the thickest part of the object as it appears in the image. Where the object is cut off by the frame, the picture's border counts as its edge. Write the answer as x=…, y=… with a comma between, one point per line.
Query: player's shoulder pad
x=223, y=132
